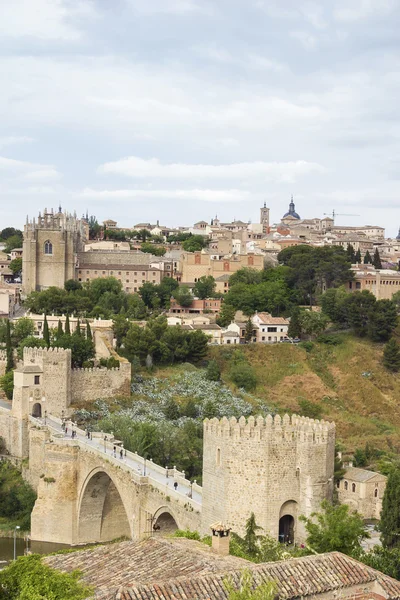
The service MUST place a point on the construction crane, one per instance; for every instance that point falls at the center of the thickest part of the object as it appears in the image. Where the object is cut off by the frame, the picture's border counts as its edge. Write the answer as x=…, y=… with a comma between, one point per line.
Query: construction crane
x=334, y=214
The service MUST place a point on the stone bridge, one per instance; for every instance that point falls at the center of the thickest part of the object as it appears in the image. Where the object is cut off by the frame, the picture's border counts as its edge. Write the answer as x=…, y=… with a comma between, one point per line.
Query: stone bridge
x=95, y=491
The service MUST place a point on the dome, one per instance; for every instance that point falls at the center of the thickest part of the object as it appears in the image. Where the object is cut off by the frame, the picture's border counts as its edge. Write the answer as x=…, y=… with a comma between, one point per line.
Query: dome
x=291, y=212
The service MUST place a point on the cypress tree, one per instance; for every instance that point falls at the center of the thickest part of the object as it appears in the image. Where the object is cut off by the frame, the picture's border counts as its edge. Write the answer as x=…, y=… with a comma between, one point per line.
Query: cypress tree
x=294, y=329
x=46, y=333
x=9, y=349
x=351, y=255
x=67, y=326
x=377, y=260
x=248, y=334
x=60, y=331
x=390, y=515
x=367, y=258
x=357, y=257
x=78, y=328
x=391, y=355
x=88, y=331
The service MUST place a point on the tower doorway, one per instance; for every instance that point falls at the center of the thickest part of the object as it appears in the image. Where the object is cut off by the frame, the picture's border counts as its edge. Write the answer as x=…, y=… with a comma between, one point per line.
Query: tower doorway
x=286, y=529
x=37, y=410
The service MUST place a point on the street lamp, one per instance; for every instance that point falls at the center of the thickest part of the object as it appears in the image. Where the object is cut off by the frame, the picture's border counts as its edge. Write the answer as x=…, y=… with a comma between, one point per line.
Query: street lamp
x=105, y=441
x=15, y=541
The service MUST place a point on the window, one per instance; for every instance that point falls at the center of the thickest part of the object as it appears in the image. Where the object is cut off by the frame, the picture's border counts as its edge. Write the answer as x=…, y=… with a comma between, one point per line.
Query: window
x=143, y=274
x=358, y=285
x=346, y=485
x=272, y=329
x=48, y=247
x=376, y=493
x=218, y=458
x=104, y=272
x=338, y=483
x=37, y=379
x=353, y=487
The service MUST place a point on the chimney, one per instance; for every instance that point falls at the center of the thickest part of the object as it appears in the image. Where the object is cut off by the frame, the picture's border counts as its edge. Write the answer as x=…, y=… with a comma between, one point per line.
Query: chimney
x=220, y=539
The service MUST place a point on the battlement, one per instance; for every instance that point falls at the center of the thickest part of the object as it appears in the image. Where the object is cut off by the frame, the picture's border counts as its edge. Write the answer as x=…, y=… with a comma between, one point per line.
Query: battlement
x=57, y=221
x=98, y=370
x=38, y=354
x=260, y=428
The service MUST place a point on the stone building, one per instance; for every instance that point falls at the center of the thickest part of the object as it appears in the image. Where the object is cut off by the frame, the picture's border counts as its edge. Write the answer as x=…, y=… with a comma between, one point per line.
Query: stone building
x=363, y=491
x=277, y=468
x=382, y=283
x=199, y=264
x=50, y=250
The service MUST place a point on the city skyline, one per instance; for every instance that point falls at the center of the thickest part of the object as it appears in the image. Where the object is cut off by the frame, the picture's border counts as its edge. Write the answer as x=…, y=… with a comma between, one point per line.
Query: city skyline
x=179, y=110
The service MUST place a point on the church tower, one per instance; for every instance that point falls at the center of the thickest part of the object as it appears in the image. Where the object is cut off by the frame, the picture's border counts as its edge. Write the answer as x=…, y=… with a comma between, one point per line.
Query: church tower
x=49, y=250
x=264, y=218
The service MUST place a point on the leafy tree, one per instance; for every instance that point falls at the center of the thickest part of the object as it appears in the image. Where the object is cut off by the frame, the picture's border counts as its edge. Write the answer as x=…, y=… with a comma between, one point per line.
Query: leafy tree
x=213, y=371
x=360, y=458
x=28, y=578
x=367, y=258
x=120, y=328
x=9, y=349
x=246, y=275
x=60, y=331
x=247, y=588
x=251, y=537
x=243, y=376
x=17, y=497
x=153, y=249
x=204, y=287
x=385, y=560
x=23, y=328
x=148, y=293
x=15, y=241
x=376, y=261
x=390, y=515
x=358, y=307
x=391, y=355
x=72, y=285
x=30, y=342
x=7, y=385
x=7, y=232
x=46, y=333
x=143, y=234
x=357, y=257
x=94, y=227
x=81, y=348
x=16, y=266
x=194, y=243
x=184, y=296
x=294, y=329
x=226, y=314
x=78, y=328
x=382, y=321
x=313, y=323
x=333, y=304
x=335, y=529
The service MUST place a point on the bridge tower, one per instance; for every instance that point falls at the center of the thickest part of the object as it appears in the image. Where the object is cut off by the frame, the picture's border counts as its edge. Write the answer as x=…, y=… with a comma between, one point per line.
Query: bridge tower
x=277, y=468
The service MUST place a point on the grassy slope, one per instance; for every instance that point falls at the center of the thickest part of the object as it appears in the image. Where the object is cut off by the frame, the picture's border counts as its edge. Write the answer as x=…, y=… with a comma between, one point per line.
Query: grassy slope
x=364, y=408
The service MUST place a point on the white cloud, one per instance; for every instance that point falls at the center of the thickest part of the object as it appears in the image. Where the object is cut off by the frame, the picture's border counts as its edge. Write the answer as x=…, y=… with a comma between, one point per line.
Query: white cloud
x=44, y=19
x=14, y=139
x=356, y=10
x=136, y=167
x=28, y=170
x=201, y=195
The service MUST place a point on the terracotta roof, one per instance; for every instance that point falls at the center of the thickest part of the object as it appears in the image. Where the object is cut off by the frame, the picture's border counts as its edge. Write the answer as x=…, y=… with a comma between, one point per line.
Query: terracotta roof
x=185, y=570
x=355, y=474
x=267, y=319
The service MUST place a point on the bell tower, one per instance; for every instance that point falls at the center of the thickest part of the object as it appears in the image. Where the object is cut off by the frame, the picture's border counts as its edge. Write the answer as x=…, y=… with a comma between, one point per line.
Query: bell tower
x=264, y=218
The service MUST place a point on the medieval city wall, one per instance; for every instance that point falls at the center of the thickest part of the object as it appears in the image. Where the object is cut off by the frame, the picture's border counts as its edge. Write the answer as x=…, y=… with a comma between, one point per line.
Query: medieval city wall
x=272, y=467
x=90, y=384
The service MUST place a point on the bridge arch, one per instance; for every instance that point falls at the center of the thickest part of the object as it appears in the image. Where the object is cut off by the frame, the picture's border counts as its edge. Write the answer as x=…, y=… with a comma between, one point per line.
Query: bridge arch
x=164, y=521
x=102, y=515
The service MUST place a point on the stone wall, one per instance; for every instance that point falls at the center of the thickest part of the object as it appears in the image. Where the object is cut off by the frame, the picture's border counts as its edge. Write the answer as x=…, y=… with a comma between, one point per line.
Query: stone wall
x=272, y=467
x=3, y=362
x=90, y=384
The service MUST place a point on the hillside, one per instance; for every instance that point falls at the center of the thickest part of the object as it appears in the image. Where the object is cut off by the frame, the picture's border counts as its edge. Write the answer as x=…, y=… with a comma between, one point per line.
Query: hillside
x=348, y=382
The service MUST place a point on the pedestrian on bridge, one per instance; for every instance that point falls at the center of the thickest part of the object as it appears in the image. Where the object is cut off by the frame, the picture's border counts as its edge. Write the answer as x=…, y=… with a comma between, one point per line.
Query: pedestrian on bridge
x=115, y=451
x=175, y=485
x=121, y=454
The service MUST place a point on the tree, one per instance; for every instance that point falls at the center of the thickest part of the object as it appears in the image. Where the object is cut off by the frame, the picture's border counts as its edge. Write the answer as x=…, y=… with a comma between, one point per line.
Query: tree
x=78, y=328
x=28, y=578
x=143, y=234
x=194, y=243
x=204, y=287
x=358, y=308
x=391, y=355
x=16, y=266
x=335, y=529
x=294, y=329
x=120, y=328
x=246, y=275
x=248, y=333
x=213, y=371
x=7, y=385
x=390, y=514
x=60, y=331
x=251, y=537
x=313, y=323
x=46, y=333
x=357, y=257
x=15, y=241
x=153, y=249
x=81, y=348
x=247, y=588
x=376, y=261
x=351, y=255
x=23, y=328
x=67, y=326
x=184, y=296
x=382, y=320
x=243, y=376
x=72, y=285
x=9, y=349
x=94, y=227
x=88, y=331
x=367, y=258
x=385, y=560
x=7, y=232
x=226, y=315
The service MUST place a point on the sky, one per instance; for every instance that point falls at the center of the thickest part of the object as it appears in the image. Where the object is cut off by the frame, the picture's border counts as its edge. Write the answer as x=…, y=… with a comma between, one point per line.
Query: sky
x=180, y=110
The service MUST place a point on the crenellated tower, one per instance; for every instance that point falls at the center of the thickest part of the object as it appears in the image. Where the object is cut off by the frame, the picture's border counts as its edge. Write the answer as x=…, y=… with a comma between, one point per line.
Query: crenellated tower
x=278, y=468
x=50, y=248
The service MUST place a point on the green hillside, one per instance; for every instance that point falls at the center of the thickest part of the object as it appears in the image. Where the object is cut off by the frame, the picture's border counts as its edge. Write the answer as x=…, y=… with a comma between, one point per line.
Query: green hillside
x=346, y=383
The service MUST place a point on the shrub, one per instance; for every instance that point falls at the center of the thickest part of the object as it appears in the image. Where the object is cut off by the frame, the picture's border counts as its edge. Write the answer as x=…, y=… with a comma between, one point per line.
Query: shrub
x=243, y=376
x=307, y=346
x=309, y=409
x=330, y=339
x=7, y=384
x=213, y=371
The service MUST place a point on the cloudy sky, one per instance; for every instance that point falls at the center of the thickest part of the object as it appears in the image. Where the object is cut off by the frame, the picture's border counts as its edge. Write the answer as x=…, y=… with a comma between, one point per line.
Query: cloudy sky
x=178, y=110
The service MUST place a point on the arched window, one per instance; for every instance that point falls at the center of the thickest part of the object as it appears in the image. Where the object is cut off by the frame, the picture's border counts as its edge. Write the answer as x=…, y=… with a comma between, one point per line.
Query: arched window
x=346, y=485
x=48, y=247
x=353, y=487
x=376, y=493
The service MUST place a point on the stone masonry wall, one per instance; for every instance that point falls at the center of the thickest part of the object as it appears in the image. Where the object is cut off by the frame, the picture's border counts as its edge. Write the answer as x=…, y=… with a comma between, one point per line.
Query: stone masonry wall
x=272, y=467
x=90, y=384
